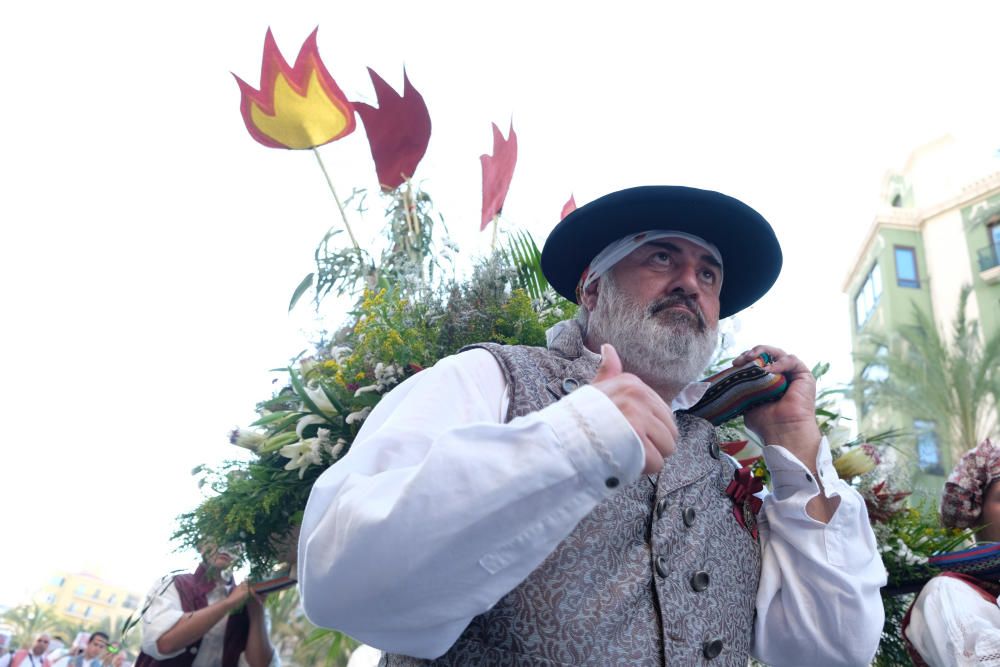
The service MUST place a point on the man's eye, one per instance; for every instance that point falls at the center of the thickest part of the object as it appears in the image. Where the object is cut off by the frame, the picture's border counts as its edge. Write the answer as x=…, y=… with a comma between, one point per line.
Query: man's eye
x=708, y=276
x=662, y=257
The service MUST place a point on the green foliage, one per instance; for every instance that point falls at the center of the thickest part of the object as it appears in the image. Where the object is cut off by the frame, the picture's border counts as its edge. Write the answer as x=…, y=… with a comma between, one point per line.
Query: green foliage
x=293, y=635
x=30, y=620
x=311, y=422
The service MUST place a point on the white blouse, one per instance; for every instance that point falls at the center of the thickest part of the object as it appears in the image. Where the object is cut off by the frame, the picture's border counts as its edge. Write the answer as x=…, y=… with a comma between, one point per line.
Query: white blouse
x=951, y=625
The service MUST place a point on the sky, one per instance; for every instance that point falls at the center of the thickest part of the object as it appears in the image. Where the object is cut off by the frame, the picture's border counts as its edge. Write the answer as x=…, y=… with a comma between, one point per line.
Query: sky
x=149, y=247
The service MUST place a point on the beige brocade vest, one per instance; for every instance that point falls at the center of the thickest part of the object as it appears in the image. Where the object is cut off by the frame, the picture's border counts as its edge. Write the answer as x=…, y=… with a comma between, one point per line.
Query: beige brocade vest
x=658, y=574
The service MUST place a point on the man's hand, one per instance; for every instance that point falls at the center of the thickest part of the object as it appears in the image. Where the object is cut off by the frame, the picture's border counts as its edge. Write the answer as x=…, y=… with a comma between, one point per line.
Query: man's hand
x=647, y=413
x=790, y=421
x=239, y=596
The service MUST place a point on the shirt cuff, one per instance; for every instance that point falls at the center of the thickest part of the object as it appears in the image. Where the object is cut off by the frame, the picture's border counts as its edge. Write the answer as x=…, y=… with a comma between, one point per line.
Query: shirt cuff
x=597, y=438
x=791, y=479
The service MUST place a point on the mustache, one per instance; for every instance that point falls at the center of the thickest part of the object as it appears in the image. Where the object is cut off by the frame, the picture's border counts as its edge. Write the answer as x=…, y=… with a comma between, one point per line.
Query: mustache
x=679, y=300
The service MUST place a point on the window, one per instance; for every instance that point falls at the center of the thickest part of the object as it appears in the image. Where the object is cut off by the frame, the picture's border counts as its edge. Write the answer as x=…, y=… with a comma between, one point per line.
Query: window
x=131, y=602
x=928, y=447
x=71, y=608
x=87, y=612
x=50, y=598
x=897, y=201
x=867, y=298
x=907, y=274
x=112, y=598
x=80, y=590
x=994, y=231
x=58, y=581
x=97, y=594
x=873, y=373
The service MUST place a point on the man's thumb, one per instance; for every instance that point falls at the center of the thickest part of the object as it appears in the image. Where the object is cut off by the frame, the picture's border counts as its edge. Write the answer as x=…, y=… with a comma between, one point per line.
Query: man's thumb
x=610, y=366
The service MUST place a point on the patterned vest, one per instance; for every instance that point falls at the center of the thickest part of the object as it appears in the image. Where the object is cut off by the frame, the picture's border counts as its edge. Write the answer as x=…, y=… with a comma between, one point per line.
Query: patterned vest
x=661, y=573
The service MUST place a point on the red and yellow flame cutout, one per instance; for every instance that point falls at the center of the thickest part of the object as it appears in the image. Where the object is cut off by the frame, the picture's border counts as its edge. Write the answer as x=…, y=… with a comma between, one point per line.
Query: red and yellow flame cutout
x=296, y=107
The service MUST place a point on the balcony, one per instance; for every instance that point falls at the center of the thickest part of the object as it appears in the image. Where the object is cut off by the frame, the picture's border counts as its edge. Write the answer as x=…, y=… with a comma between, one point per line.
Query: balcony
x=989, y=263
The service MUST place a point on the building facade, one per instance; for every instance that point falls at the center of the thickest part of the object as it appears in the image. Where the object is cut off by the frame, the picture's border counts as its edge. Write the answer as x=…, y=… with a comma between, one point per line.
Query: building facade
x=938, y=229
x=86, y=600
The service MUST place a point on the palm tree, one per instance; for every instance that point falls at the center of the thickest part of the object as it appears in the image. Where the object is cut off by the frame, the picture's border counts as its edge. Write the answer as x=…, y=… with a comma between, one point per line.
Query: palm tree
x=954, y=382
x=298, y=641
x=30, y=620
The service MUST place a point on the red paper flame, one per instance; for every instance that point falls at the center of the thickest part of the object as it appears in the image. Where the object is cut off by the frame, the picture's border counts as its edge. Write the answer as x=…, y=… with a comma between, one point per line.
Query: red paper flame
x=498, y=169
x=398, y=130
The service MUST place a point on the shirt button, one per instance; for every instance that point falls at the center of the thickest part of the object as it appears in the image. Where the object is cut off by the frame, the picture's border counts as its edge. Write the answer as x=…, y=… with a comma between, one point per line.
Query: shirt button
x=809, y=477
x=699, y=580
x=661, y=566
x=661, y=507
x=713, y=450
x=689, y=515
x=611, y=482
x=569, y=384
x=712, y=649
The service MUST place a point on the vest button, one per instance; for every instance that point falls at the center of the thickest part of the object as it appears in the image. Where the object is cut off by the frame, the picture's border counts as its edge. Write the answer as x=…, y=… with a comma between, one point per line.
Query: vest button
x=712, y=649
x=713, y=450
x=689, y=515
x=569, y=384
x=661, y=507
x=661, y=566
x=699, y=580
x=611, y=482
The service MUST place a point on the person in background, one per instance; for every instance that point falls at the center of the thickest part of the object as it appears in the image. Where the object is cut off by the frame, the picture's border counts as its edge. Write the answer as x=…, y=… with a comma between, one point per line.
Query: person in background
x=92, y=653
x=955, y=621
x=205, y=620
x=35, y=656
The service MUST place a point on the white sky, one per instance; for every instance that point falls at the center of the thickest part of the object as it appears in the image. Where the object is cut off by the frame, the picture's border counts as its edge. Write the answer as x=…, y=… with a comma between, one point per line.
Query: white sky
x=148, y=246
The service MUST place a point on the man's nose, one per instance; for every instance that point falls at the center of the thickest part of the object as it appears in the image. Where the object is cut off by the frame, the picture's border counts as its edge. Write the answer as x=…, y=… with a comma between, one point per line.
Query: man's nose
x=685, y=280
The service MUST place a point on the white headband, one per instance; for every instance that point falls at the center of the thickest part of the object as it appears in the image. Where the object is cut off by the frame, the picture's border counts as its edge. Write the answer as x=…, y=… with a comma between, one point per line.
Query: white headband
x=622, y=248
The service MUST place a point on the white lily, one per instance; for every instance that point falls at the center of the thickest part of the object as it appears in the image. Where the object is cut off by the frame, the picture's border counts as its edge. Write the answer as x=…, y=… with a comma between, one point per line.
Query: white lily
x=300, y=426
x=319, y=399
x=301, y=455
x=247, y=439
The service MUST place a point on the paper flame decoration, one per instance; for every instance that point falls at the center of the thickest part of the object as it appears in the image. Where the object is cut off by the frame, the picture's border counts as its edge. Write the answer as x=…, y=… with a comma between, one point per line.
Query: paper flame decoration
x=398, y=130
x=498, y=169
x=568, y=207
x=296, y=107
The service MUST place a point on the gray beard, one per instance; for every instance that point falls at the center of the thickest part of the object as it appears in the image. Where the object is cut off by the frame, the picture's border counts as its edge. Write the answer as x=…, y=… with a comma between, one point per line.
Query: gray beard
x=667, y=349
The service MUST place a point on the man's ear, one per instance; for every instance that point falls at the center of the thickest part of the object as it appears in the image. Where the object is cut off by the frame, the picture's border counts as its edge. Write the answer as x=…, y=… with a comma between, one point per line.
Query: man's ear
x=588, y=297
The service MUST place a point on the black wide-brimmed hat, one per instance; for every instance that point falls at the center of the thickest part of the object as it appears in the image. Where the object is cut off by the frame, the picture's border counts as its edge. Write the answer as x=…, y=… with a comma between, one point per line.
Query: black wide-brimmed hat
x=751, y=256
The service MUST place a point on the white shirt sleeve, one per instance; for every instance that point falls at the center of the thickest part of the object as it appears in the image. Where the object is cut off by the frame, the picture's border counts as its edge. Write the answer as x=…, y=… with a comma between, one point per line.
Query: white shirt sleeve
x=5, y=660
x=818, y=602
x=440, y=509
x=163, y=612
x=951, y=625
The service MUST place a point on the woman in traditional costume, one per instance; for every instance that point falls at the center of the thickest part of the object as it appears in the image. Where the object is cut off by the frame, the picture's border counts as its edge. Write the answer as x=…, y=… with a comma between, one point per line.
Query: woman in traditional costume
x=955, y=621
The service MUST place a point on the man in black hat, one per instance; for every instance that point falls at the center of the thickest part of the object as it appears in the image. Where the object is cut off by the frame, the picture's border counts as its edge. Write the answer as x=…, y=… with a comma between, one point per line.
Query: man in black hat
x=529, y=506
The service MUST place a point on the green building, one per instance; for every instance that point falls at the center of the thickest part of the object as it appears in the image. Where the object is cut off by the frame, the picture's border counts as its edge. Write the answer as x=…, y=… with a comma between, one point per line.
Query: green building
x=938, y=229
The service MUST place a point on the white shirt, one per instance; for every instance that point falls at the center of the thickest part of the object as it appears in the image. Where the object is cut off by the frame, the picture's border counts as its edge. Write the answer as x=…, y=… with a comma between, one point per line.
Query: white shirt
x=440, y=509
x=165, y=610
x=29, y=660
x=951, y=625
